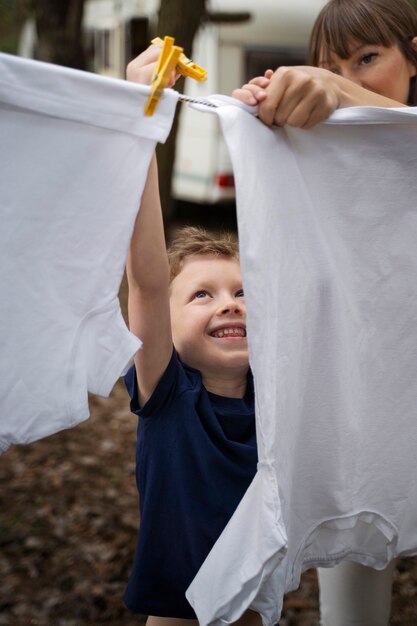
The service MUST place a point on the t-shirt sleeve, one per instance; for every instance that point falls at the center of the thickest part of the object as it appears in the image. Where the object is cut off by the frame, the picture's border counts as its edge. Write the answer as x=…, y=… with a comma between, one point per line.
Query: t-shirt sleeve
x=173, y=382
x=107, y=347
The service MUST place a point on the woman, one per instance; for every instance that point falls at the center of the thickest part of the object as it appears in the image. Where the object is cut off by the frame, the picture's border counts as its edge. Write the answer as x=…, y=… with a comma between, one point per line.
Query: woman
x=362, y=52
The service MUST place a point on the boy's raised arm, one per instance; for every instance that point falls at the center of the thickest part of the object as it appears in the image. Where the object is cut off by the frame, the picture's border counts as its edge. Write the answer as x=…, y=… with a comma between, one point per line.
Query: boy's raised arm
x=148, y=280
x=147, y=268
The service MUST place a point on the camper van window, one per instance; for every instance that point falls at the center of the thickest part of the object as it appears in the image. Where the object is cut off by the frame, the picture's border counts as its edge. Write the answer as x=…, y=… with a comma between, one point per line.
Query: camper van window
x=259, y=59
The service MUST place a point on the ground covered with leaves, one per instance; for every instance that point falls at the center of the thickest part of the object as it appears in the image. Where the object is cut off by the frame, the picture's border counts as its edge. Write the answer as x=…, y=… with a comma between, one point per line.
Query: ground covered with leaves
x=68, y=524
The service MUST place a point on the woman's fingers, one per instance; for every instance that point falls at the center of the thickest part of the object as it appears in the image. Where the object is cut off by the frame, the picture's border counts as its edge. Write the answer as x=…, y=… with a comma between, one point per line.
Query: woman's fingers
x=299, y=96
x=250, y=94
x=260, y=81
x=253, y=92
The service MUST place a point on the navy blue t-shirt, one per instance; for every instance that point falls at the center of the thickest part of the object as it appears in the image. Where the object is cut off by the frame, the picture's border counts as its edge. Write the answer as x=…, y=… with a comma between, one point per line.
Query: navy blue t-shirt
x=196, y=456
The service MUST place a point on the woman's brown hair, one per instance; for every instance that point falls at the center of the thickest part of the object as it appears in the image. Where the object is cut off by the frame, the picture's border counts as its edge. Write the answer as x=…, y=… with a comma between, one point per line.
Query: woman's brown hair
x=375, y=22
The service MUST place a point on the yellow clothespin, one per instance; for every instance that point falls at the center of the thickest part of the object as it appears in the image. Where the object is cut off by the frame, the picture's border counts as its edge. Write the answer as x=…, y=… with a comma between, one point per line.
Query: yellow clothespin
x=185, y=66
x=167, y=62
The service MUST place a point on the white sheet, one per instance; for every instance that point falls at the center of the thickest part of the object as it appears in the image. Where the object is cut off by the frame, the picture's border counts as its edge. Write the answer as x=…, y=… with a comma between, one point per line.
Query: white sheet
x=328, y=239
x=75, y=150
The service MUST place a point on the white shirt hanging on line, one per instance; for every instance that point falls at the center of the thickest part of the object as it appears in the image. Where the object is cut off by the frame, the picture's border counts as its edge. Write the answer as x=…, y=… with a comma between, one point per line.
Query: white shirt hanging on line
x=328, y=241
x=75, y=150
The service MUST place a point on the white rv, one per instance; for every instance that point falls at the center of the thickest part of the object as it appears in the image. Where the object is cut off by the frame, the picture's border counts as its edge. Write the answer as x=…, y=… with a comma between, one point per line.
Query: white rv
x=274, y=33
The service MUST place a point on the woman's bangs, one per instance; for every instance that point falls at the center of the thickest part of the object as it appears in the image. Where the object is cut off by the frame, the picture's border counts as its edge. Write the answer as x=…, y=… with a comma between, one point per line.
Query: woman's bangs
x=348, y=22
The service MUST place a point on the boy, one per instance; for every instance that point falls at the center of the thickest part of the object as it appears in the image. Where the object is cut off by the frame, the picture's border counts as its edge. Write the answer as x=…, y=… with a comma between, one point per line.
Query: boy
x=196, y=452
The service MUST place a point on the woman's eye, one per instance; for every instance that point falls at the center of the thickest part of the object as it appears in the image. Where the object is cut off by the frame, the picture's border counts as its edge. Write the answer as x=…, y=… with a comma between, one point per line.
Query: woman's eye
x=200, y=294
x=368, y=58
x=240, y=294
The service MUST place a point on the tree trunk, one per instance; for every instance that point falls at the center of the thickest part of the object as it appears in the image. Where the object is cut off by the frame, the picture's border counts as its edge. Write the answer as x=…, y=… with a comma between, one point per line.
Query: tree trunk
x=13, y=14
x=179, y=19
x=59, y=30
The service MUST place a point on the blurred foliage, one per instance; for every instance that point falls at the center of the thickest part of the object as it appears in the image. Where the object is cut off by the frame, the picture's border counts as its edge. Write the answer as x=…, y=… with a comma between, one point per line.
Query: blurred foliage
x=58, y=28
x=60, y=32
x=13, y=14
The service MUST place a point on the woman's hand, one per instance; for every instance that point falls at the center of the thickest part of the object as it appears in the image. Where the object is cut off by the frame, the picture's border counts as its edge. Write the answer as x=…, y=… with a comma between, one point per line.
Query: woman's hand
x=304, y=96
x=254, y=92
x=141, y=69
x=298, y=96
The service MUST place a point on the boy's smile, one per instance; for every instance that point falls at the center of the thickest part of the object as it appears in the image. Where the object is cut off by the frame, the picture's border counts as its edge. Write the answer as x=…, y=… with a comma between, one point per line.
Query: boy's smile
x=208, y=316
x=228, y=332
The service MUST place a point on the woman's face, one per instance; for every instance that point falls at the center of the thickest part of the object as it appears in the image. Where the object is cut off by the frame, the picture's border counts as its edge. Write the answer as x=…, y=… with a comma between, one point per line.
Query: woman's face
x=382, y=70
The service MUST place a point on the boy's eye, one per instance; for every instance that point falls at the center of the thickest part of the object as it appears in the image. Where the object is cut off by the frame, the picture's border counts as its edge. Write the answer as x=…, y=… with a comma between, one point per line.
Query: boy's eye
x=200, y=294
x=240, y=294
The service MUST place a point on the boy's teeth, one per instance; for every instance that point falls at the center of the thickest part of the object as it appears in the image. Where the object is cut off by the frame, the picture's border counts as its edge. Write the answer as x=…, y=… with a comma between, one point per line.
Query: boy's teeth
x=240, y=332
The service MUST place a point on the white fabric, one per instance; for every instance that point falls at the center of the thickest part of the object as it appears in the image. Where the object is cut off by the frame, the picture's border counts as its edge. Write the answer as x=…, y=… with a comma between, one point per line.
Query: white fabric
x=75, y=149
x=328, y=238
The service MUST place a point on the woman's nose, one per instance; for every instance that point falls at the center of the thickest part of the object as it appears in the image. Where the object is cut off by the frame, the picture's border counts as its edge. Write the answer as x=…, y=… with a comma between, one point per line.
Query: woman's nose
x=347, y=72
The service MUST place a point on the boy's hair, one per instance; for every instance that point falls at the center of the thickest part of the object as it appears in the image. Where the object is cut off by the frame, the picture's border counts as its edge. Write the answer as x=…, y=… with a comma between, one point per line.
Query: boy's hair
x=374, y=22
x=190, y=240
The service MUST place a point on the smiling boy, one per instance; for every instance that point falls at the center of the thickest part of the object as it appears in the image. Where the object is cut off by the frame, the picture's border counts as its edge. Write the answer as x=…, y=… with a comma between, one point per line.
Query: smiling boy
x=208, y=318
x=192, y=390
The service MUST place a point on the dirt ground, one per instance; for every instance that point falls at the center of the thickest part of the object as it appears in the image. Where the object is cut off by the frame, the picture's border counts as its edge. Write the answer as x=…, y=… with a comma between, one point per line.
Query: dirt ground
x=68, y=522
